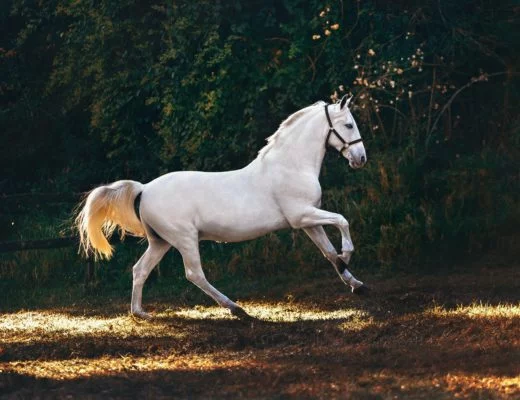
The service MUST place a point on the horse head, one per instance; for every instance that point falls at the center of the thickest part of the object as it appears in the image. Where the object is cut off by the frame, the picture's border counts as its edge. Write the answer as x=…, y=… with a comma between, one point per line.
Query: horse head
x=344, y=134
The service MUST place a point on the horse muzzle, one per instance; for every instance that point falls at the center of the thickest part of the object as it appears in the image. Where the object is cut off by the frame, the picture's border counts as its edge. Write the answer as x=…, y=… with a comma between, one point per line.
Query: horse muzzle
x=357, y=160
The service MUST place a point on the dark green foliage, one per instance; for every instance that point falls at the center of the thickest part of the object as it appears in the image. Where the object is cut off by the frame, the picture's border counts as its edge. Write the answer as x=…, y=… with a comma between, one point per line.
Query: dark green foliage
x=95, y=91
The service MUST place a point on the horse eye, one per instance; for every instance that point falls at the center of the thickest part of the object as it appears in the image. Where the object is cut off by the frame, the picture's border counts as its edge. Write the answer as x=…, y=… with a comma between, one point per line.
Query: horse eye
x=349, y=126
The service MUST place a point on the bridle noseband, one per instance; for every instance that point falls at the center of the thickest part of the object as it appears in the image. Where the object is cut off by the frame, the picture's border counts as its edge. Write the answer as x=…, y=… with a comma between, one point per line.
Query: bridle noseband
x=346, y=144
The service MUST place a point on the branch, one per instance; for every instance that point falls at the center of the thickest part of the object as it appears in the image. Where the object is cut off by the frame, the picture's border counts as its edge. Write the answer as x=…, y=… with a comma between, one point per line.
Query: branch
x=481, y=78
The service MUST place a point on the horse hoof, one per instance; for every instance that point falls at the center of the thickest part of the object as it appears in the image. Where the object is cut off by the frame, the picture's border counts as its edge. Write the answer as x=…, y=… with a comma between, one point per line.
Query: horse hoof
x=361, y=290
x=142, y=315
x=241, y=314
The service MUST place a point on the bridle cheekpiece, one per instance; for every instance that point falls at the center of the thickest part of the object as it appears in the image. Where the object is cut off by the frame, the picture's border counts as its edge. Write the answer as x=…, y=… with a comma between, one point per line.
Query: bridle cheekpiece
x=346, y=144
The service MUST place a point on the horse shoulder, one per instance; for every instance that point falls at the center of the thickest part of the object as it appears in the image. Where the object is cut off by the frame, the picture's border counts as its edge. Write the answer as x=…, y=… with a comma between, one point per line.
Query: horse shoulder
x=296, y=195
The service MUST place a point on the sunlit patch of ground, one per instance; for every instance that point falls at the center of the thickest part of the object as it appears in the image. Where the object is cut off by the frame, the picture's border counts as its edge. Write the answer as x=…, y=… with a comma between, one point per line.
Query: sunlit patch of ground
x=274, y=312
x=463, y=385
x=478, y=311
x=26, y=326
x=425, y=343
x=113, y=366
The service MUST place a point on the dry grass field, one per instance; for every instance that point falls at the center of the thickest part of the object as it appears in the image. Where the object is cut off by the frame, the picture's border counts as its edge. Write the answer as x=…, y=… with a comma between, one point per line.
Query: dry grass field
x=427, y=337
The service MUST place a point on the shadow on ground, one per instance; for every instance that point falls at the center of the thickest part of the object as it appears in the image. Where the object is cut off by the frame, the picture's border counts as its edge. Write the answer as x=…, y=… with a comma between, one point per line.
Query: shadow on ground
x=429, y=337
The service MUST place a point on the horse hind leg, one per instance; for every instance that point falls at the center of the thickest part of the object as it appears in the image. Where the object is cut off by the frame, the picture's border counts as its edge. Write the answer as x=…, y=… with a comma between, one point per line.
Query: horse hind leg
x=189, y=249
x=157, y=248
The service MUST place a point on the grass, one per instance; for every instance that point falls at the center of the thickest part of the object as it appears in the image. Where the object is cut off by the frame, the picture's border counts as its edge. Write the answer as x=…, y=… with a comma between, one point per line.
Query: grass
x=430, y=336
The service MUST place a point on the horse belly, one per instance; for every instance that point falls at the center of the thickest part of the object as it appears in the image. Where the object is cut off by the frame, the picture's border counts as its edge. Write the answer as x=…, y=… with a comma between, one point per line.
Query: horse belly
x=237, y=224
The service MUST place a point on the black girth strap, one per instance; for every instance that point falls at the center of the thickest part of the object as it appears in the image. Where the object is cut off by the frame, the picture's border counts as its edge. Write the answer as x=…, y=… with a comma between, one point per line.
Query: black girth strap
x=335, y=132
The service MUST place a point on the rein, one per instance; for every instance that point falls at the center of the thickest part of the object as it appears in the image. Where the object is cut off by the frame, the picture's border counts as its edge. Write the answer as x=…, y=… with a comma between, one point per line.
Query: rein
x=346, y=144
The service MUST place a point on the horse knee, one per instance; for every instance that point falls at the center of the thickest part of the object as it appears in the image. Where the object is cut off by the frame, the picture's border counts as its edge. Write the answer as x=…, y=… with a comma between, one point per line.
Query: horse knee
x=343, y=222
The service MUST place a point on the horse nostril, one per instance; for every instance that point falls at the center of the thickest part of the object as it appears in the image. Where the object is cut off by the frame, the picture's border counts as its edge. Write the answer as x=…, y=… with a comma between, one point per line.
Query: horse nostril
x=363, y=159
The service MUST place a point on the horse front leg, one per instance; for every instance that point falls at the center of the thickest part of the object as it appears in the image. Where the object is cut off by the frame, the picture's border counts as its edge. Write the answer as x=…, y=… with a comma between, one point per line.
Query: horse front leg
x=312, y=223
x=317, y=217
x=320, y=239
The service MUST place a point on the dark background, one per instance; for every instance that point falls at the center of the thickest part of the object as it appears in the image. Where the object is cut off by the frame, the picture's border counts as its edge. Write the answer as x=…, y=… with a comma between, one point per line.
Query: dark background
x=96, y=91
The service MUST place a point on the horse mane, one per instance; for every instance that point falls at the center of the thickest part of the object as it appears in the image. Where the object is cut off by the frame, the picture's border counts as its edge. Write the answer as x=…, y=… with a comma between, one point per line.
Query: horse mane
x=283, y=128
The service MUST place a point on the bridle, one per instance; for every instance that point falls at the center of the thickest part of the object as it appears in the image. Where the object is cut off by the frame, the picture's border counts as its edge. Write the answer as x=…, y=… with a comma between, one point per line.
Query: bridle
x=346, y=144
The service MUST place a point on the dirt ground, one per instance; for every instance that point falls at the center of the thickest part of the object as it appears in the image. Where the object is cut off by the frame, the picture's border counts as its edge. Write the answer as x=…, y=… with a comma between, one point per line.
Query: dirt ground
x=428, y=337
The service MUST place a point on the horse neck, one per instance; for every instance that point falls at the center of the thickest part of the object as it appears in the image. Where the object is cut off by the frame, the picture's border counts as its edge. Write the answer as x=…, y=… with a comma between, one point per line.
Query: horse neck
x=303, y=148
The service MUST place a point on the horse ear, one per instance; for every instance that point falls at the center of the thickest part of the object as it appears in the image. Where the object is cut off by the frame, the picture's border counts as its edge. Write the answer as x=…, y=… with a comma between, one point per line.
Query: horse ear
x=344, y=102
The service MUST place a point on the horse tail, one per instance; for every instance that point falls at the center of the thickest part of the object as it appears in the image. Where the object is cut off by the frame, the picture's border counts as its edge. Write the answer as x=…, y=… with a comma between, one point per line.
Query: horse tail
x=104, y=209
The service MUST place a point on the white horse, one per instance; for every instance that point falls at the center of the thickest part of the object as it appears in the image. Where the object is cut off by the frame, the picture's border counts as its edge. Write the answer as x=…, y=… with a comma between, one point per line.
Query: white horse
x=279, y=189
